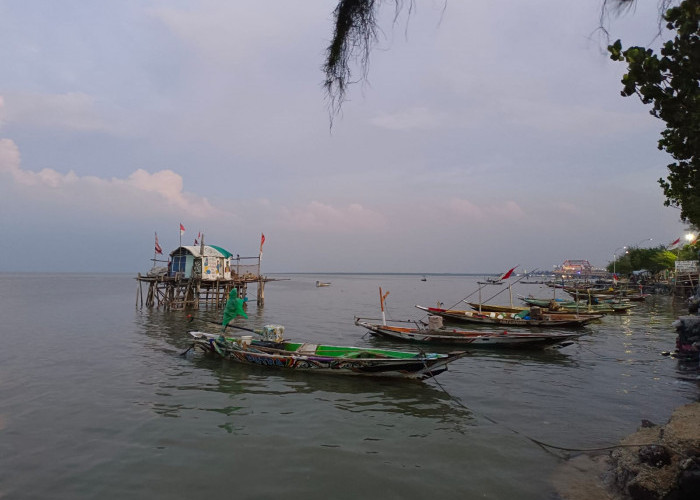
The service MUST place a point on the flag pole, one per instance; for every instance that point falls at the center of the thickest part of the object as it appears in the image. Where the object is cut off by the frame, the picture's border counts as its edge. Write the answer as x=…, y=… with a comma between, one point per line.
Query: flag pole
x=382, y=296
x=516, y=281
x=260, y=253
x=156, y=247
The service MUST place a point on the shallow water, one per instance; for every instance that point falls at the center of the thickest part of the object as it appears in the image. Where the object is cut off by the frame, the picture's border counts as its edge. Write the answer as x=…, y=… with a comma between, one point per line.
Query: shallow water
x=96, y=401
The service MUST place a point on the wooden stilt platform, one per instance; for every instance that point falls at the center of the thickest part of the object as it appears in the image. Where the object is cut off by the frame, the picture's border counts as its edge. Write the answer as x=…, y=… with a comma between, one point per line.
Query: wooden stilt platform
x=686, y=283
x=175, y=293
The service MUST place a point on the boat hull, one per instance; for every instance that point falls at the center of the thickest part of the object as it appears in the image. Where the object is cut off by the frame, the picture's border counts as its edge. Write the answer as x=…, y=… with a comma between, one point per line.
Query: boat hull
x=492, y=318
x=325, y=359
x=573, y=307
x=500, y=340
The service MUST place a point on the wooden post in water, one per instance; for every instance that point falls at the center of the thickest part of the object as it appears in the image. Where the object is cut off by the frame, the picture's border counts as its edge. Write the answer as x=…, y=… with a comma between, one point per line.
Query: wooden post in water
x=261, y=292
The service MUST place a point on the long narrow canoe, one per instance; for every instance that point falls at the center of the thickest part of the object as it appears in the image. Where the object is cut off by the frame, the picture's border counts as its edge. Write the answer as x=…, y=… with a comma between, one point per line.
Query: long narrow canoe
x=607, y=293
x=319, y=358
x=487, y=308
x=510, y=319
x=572, y=306
x=495, y=339
x=496, y=308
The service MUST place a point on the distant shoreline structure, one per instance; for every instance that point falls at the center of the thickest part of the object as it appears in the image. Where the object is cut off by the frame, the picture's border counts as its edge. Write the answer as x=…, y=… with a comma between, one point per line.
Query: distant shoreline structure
x=359, y=273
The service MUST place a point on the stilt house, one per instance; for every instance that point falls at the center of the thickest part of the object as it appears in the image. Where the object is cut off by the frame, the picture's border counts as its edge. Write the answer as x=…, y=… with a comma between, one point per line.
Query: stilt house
x=205, y=262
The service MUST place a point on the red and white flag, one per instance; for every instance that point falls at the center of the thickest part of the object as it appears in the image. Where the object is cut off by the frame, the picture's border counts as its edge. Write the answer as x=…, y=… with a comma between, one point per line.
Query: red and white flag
x=196, y=240
x=262, y=240
x=507, y=274
x=158, y=249
x=674, y=244
x=182, y=229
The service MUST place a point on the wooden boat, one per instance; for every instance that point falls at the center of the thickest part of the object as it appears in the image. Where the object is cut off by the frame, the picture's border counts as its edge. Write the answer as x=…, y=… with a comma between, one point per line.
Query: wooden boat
x=488, y=308
x=607, y=293
x=546, y=307
x=496, y=308
x=322, y=283
x=499, y=339
x=572, y=306
x=319, y=358
x=536, y=317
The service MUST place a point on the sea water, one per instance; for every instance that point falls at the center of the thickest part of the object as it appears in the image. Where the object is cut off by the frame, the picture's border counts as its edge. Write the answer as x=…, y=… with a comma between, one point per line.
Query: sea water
x=96, y=400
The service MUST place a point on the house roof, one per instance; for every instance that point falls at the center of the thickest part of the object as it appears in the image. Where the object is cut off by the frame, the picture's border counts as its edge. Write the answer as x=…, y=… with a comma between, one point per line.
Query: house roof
x=222, y=251
x=209, y=251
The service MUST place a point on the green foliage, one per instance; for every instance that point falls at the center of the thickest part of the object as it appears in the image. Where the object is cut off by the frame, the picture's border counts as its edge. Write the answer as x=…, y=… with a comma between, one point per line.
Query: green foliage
x=689, y=252
x=651, y=259
x=670, y=85
x=662, y=260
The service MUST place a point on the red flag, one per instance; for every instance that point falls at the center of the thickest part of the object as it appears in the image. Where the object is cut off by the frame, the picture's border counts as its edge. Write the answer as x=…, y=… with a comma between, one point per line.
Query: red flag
x=182, y=229
x=158, y=249
x=196, y=240
x=262, y=240
x=506, y=275
x=674, y=244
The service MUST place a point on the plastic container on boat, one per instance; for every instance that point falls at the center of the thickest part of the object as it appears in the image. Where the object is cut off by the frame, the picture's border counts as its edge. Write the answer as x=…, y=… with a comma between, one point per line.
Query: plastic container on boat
x=273, y=333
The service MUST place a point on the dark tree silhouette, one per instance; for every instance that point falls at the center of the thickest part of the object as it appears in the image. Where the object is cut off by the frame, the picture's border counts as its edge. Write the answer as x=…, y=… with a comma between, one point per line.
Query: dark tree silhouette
x=669, y=82
x=355, y=32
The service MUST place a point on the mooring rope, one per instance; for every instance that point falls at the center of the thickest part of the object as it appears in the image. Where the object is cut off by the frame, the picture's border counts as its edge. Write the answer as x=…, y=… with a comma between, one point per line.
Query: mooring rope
x=548, y=447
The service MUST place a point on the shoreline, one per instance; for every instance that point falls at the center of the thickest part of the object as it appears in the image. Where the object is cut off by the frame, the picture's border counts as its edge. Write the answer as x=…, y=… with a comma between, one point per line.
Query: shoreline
x=655, y=462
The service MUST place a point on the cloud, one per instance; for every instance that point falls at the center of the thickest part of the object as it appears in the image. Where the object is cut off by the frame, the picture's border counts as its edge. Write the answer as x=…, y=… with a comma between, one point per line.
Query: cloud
x=569, y=208
x=74, y=111
x=160, y=191
x=230, y=33
x=416, y=118
x=502, y=211
x=570, y=119
x=320, y=217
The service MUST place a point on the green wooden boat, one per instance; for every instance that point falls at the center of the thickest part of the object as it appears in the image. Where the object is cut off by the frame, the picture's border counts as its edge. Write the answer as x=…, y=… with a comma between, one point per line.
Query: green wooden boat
x=318, y=358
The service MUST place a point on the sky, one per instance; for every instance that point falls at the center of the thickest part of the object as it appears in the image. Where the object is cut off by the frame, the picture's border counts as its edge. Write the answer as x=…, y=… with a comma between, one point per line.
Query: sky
x=487, y=135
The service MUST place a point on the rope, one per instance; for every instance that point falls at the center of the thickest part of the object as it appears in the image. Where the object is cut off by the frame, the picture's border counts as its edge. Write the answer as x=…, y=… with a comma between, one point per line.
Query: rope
x=510, y=286
x=480, y=287
x=548, y=447
x=634, y=361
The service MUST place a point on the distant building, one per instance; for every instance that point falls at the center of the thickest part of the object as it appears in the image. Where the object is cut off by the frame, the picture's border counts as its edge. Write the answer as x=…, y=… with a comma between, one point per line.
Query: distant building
x=579, y=269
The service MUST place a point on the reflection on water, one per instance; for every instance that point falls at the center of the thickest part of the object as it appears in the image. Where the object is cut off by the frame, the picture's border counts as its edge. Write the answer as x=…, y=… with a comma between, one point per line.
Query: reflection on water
x=132, y=411
x=252, y=384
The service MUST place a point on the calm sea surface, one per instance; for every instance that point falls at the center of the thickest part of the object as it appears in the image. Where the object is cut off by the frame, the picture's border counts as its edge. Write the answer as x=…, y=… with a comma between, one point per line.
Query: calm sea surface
x=96, y=401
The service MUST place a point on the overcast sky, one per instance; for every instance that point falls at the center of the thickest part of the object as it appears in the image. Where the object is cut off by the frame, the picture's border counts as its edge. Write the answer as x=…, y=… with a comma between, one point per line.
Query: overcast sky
x=489, y=134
